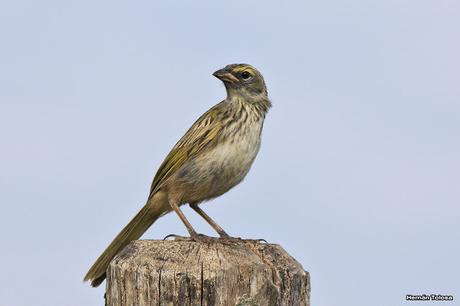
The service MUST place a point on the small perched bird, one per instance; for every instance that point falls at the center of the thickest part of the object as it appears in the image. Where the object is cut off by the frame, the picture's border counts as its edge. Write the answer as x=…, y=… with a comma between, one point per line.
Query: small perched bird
x=213, y=156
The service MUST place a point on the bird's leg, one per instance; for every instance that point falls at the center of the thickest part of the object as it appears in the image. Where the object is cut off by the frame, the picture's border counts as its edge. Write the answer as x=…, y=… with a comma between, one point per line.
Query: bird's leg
x=193, y=234
x=210, y=221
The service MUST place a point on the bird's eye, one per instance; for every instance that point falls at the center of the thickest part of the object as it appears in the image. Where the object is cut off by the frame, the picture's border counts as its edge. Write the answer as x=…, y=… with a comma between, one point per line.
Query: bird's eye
x=245, y=75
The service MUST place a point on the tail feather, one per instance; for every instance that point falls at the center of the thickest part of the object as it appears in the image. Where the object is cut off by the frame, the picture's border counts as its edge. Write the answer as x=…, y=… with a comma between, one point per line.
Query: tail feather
x=134, y=230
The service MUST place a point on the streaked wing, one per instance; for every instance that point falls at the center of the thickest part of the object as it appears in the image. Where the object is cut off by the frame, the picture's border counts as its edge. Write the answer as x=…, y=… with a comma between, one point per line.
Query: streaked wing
x=202, y=134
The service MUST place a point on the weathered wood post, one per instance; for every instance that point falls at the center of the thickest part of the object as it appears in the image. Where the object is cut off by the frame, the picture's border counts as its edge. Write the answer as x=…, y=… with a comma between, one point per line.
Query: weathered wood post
x=183, y=272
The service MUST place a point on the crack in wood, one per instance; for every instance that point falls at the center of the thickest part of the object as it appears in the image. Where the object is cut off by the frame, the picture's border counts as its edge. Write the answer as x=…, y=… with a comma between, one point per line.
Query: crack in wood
x=238, y=272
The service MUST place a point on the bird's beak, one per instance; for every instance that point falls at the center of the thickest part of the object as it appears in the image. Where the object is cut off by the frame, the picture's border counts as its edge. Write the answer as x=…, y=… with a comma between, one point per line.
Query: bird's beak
x=225, y=76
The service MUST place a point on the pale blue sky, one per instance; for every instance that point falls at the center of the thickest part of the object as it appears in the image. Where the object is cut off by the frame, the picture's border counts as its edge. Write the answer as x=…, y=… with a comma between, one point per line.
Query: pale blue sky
x=358, y=177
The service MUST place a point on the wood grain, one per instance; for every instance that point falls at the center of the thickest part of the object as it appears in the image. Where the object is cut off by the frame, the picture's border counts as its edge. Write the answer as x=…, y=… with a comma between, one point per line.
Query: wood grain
x=183, y=272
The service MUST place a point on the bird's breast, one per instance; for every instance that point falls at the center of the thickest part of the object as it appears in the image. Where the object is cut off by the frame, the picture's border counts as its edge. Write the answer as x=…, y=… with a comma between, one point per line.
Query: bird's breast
x=224, y=166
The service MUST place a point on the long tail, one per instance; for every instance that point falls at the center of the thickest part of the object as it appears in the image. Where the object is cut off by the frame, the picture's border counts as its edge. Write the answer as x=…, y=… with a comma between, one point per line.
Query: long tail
x=135, y=228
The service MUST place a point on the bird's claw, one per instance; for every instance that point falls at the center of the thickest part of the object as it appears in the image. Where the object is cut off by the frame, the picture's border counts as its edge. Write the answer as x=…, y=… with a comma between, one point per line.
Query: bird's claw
x=261, y=240
x=202, y=238
x=207, y=239
x=174, y=236
x=193, y=237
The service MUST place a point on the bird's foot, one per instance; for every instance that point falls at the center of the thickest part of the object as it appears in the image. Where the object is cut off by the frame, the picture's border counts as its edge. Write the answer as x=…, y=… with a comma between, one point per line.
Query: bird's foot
x=202, y=238
x=224, y=238
x=261, y=240
x=195, y=237
x=228, y=240
x=175, y=237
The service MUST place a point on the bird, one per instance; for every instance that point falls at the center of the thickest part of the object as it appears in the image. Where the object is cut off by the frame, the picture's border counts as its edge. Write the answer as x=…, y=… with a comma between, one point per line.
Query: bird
x=213, y=156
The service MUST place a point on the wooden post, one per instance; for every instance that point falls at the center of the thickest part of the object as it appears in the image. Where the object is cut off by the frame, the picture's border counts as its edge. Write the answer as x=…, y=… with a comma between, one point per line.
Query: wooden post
x=183, y=272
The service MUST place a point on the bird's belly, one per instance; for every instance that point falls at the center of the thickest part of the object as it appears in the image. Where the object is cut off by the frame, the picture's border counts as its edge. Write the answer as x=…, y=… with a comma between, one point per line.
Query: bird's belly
x=220, y=169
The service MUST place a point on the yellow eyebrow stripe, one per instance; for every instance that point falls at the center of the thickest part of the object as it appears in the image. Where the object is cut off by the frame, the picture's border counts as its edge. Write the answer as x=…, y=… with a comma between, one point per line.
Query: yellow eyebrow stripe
x=241, y=69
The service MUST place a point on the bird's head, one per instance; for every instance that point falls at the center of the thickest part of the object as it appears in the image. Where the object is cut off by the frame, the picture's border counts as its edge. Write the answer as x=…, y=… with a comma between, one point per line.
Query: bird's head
x=242, y=79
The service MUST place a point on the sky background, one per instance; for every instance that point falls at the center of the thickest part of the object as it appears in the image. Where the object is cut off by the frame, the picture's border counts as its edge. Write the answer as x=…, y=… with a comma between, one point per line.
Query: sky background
x=358, y=177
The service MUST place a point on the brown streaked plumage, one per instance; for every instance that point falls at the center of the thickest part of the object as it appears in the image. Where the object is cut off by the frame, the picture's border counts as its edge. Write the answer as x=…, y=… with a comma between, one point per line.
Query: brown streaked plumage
x=213, y=156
